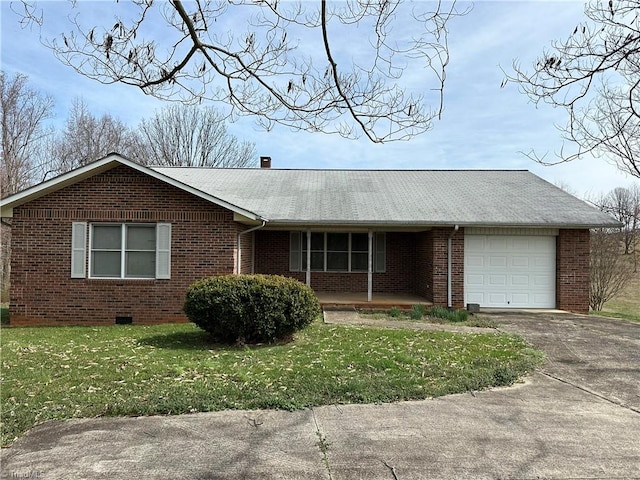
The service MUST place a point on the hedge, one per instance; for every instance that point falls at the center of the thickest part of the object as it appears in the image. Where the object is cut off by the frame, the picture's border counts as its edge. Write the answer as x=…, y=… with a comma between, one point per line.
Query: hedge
x=251, y=308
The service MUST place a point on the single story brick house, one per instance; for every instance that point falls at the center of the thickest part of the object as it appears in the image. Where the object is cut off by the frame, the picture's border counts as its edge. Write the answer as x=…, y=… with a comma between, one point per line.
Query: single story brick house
x=117, y=242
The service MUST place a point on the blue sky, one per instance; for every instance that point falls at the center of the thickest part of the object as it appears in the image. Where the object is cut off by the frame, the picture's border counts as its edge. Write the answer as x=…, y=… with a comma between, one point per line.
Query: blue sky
x=483, y=126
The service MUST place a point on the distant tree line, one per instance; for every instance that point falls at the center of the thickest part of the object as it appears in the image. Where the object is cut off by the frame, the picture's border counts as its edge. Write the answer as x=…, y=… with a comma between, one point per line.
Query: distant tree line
x=176, y=135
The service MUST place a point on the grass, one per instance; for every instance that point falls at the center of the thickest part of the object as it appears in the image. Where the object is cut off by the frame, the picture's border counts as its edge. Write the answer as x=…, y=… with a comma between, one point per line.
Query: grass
x=67, y=372
x=626, y=304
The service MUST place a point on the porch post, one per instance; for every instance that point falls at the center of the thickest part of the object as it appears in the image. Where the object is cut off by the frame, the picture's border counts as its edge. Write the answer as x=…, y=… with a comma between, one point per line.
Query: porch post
x=370, y=269
x=308, y=258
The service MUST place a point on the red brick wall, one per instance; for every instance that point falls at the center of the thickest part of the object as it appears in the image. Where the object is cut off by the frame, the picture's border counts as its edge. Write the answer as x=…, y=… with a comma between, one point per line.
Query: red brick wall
x=572, y=270
x=272, y=254
x=424, y=265
x=42, y=292
x=246, y=249
x=272, y=257
x=439, y=253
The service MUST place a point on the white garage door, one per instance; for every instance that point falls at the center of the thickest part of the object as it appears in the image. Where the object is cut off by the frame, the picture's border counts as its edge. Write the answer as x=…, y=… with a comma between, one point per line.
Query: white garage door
x=510, y=271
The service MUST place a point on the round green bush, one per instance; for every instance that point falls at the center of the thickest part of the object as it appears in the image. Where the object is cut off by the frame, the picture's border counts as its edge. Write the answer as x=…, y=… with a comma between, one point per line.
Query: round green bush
x=251, y=308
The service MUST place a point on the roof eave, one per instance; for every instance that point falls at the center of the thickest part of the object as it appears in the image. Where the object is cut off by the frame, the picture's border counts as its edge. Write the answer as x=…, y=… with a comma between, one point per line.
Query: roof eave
x=430, y=224
x=103, y=165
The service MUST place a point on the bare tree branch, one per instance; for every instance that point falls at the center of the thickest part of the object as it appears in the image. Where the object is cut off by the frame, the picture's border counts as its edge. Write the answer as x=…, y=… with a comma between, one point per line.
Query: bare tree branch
x=283, y=69
x=594, y=74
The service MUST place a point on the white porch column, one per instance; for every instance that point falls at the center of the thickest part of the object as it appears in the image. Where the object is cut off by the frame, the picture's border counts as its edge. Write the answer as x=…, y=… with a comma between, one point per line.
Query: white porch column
x=370, y=269
x=308, y=258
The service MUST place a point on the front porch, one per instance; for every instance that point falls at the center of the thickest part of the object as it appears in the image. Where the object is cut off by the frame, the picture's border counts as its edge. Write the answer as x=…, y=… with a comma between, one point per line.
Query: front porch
x=379, y=301
x=412, y=268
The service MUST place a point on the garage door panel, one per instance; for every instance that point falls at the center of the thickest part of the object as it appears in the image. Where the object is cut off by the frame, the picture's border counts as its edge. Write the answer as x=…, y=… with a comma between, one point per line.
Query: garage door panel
x=497, y=261
x=520, y=243
x=543, y=242
x=519, y=280
x=541, y=299
x=510, y=271
x=476, y=260
x=475, y=280
x=518, y=261
x=520, y=299
x=496, y=243
x=476, y=297
x=497, y=298
x=543, y=281
x=544, y=262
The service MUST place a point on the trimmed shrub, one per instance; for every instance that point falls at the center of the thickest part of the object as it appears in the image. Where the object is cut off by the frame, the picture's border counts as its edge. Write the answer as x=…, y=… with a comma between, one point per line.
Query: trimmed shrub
x=251, y=308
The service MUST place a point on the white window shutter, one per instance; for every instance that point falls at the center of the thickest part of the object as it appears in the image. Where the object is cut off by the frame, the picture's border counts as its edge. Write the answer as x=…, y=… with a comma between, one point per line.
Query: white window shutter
x=78, y=249
x=163, y=250
x=295, y=252
x=380, y=258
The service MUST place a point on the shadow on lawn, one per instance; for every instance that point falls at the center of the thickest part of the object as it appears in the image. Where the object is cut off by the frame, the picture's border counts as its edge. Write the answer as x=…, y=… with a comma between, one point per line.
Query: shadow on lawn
x=184, y=341
x=201, y=341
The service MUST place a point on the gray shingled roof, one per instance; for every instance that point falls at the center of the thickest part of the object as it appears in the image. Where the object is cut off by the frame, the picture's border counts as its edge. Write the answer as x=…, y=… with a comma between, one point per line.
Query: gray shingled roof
x=394, y=197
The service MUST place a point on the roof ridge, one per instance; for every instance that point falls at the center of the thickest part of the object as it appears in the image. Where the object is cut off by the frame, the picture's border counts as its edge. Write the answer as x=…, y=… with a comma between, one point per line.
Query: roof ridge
x=346, y=169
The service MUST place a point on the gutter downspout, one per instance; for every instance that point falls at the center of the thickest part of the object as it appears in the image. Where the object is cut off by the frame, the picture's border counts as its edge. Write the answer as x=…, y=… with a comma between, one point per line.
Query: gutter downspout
x=239, y=265
x=449, y=275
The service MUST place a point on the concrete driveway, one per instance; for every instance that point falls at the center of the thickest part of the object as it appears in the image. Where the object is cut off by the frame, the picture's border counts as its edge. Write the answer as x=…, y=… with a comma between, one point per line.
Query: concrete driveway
x=565, y=421
x=600, y=355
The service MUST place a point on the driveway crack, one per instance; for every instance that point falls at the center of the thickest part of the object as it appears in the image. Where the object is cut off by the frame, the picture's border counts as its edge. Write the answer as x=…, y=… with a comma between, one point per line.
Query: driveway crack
x=322, y=444
x=591, y=392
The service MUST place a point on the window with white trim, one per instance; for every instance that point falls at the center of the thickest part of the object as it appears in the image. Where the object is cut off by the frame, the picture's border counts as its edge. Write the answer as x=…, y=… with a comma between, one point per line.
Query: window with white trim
x=337, y=252
x=122, y=250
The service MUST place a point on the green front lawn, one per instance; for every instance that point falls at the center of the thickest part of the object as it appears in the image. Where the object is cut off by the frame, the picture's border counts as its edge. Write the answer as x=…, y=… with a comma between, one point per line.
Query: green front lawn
x=65, y=372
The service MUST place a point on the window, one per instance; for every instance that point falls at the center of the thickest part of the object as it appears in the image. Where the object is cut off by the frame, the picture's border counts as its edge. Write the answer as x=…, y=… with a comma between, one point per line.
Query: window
x=360, y=252
x=122, y=250
x=317, y=251
x=336, y=252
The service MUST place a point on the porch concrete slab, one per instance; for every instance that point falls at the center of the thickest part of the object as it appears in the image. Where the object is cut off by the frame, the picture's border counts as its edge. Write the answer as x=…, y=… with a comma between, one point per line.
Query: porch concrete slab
x=361, y=297
x=380, y=301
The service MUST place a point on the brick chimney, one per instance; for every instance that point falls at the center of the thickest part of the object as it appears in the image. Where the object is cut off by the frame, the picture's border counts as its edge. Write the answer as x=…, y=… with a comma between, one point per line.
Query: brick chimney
x=265, y=162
